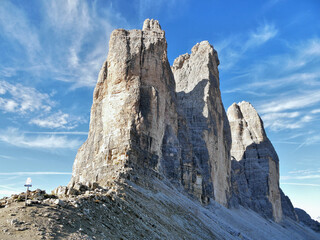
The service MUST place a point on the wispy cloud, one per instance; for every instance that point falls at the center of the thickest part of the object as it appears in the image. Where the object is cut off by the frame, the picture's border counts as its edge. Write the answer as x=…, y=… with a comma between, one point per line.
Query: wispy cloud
x=14, y=137
x=66, y=55
x=232, y=49
x=23, y=99
x=57, y=120
x=59, y=133
x=260, y=36
x=29, y=102
x=316, y=176
x=273, y=81
x=303, y=174
x=302, y=184
x=313, y=139
x=33, y=173
x=16, y=26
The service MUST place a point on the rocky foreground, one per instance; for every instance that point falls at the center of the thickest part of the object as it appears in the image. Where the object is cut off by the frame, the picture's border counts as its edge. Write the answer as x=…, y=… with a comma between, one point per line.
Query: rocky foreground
x=163, y=160
x=132, y=212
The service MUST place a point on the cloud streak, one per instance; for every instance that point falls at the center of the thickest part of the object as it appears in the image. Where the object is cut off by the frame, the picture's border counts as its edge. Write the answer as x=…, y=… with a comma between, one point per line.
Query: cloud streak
x=302, y=184
x=22, y=99
x=231, y=50
x=33, y=173
x=14, y=137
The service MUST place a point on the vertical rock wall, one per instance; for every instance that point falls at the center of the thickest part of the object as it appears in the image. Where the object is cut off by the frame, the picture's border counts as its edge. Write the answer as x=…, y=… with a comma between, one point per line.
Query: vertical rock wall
x=133, y=107
x=207, y=129
x=136, y=126
x=255, y=164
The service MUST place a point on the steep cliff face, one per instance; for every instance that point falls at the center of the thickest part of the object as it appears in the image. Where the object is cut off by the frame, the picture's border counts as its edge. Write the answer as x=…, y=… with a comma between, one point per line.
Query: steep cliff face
x=137, y=129
x=255, y=164
x=150, y=121
x=133, y=108
x=199, y=101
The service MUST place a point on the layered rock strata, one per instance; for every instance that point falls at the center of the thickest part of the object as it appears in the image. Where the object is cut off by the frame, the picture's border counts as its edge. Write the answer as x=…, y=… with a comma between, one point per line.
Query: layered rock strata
x=133, y=108
x=199, y=101
x=136, y=130
x=255, y=164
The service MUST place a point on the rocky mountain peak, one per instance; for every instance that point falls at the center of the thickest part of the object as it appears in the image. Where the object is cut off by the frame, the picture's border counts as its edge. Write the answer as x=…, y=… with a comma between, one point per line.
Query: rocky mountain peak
x=255, y=164
x=151, y=25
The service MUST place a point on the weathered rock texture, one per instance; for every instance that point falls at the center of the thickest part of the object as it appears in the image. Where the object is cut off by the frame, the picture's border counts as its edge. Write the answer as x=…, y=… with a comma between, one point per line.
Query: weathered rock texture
x=307, y=220
x=136, y=129
x=255, y=164
x=153, y=126
x=287, y=207
x=207, y=128
x=133, y=109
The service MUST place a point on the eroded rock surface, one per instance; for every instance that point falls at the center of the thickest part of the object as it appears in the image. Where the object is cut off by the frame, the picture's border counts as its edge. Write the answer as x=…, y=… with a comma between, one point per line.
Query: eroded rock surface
x=133, y=110
x=255, y=164
x=307, y=220
x=207, y=129
x=136, y=129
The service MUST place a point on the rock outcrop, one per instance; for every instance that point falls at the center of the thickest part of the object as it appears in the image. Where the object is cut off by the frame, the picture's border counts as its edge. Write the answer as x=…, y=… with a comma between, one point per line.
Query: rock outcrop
x=287, y=207
x=151, y=122
x=255, y=164
x=136, y=130
x=133, y=109
x=307, y=220
x=199, y=101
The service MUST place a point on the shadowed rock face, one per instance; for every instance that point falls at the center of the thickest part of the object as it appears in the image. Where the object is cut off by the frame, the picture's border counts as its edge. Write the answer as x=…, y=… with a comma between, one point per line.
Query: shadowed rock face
x=287, y=207
x=150, y=121
x=136, y=130
x=255, y=164
x=199, y=101
x=307, y=220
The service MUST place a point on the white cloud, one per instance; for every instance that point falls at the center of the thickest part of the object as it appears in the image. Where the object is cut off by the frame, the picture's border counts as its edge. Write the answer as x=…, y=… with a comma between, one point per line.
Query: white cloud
x=232, y=49
x=78, y=42
x=14, y=137
x=59, y=133
x=315, y=111
x=313, y=139
x=302, y=184
x=301, y=101
x=260, y=36
x=33, y=173
x=57, y=120
x=313, y=176
x=23, y=99
x=16, y=26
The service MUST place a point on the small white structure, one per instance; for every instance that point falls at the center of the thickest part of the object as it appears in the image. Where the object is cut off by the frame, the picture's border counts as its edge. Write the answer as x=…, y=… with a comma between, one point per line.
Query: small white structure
x=27, y=185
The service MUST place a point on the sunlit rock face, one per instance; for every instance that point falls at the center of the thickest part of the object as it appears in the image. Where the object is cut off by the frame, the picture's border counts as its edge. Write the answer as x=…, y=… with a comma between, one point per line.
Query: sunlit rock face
x=133, y=109
x=255, y=164
x=140, y=127
x=207, y=128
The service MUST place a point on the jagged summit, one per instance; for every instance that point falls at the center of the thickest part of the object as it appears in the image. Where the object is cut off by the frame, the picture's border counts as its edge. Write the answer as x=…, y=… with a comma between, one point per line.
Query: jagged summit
x=255, y=163
x=151, y=25
x=161, y=146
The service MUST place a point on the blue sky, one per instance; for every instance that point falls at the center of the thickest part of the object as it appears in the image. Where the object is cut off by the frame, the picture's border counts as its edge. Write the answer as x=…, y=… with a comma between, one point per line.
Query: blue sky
x=51, y=53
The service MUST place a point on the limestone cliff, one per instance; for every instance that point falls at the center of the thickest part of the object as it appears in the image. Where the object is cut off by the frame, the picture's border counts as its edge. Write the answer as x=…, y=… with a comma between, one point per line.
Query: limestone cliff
x=133, y=108
x=255, y=164
x=199, y=101
x=136, y=129
x=150, y=121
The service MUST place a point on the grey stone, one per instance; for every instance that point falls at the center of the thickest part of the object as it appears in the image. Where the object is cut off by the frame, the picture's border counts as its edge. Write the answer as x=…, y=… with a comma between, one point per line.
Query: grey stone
x=206, y=137
x=287, y=207
x=59, y=202
x=307, y=220
x=255, y=164
x=136, y=129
